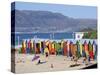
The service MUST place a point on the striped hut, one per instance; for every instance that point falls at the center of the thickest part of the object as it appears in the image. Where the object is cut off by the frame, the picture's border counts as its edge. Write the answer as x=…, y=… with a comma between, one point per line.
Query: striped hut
x=90, y=47
x=23, y=47
x=86, y=48
x=94, y=49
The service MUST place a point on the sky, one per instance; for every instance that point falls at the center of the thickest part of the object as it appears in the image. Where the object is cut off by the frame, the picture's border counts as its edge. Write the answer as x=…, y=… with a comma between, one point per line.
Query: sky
x=74, y=11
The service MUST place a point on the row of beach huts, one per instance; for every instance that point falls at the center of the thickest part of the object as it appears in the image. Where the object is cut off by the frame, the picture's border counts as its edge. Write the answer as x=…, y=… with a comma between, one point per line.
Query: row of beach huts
x=63, y=47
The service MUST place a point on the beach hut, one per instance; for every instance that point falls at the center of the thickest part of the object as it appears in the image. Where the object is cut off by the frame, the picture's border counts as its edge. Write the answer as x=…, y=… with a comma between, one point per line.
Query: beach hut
x=53, y=49
x=62, y=46
x=58, y=48
x=34, y=46
x=78, y=49
x=70, y=48
x=90, y=50
x=23, y=47
x=28, y=43
x=37, y=48
x=55, y=46
x=94, y=49
x=80, y=44
x=40, y=46
x=74, y=50
x=83, y=51
x=65, y=48
x=46, y=51
x=26, y=46
x=86, y=48
x=31, y=47
x=49, y=45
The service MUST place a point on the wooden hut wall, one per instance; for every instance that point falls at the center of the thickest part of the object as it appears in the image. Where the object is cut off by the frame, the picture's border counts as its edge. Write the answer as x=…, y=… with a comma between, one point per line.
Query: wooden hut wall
x=65, y=48
x=86, y=49
x=74, y=50
x=37, y=48
x=23, y=50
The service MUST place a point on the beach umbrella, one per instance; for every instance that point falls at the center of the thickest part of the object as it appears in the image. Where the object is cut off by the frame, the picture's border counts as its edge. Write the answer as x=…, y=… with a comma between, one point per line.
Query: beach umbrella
x=86, y=48
x=90, y=50
x=94, y=49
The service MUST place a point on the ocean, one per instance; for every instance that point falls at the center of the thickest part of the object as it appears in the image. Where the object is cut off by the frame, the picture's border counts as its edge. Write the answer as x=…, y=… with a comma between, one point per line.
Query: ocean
x=53, y=36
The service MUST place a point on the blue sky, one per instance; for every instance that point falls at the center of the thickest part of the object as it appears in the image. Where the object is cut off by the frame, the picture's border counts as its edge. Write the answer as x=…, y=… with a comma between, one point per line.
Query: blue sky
x=74, y=11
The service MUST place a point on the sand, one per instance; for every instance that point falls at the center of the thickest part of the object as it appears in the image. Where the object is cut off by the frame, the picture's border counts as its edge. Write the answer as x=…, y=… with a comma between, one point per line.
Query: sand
x=24, y=63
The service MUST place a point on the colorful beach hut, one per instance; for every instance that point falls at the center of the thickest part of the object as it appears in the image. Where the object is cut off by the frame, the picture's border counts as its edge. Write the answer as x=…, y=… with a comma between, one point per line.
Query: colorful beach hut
x=86, y=48
x=34, y=46
x=49, y=45
x=23, y=50
x=94, y=49
x=74, y=50
x=70, y=48
x=42, y=47
x=28, y=43
x=58, y=48
x=90, y=50
x=38, y=48
x=31, y=47
x=53, y=49
x=78, y=49
x=80, y=44
x=65, y=48
x=46, y=51
x=62, y=46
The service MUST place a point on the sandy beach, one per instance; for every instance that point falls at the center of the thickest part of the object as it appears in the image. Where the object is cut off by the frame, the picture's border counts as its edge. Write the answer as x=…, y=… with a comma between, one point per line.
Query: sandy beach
x=24, y=63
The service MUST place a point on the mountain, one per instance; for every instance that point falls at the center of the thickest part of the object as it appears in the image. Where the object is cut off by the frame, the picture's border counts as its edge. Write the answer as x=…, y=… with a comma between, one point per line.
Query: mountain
x=46, y=21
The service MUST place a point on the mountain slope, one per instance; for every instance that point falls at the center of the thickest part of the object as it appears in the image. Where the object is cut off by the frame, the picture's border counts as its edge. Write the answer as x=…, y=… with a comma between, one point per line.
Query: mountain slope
x=45, y=21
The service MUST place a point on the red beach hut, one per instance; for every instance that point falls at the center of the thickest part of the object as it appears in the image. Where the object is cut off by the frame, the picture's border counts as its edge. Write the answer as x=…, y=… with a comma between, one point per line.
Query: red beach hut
x=65, y=48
